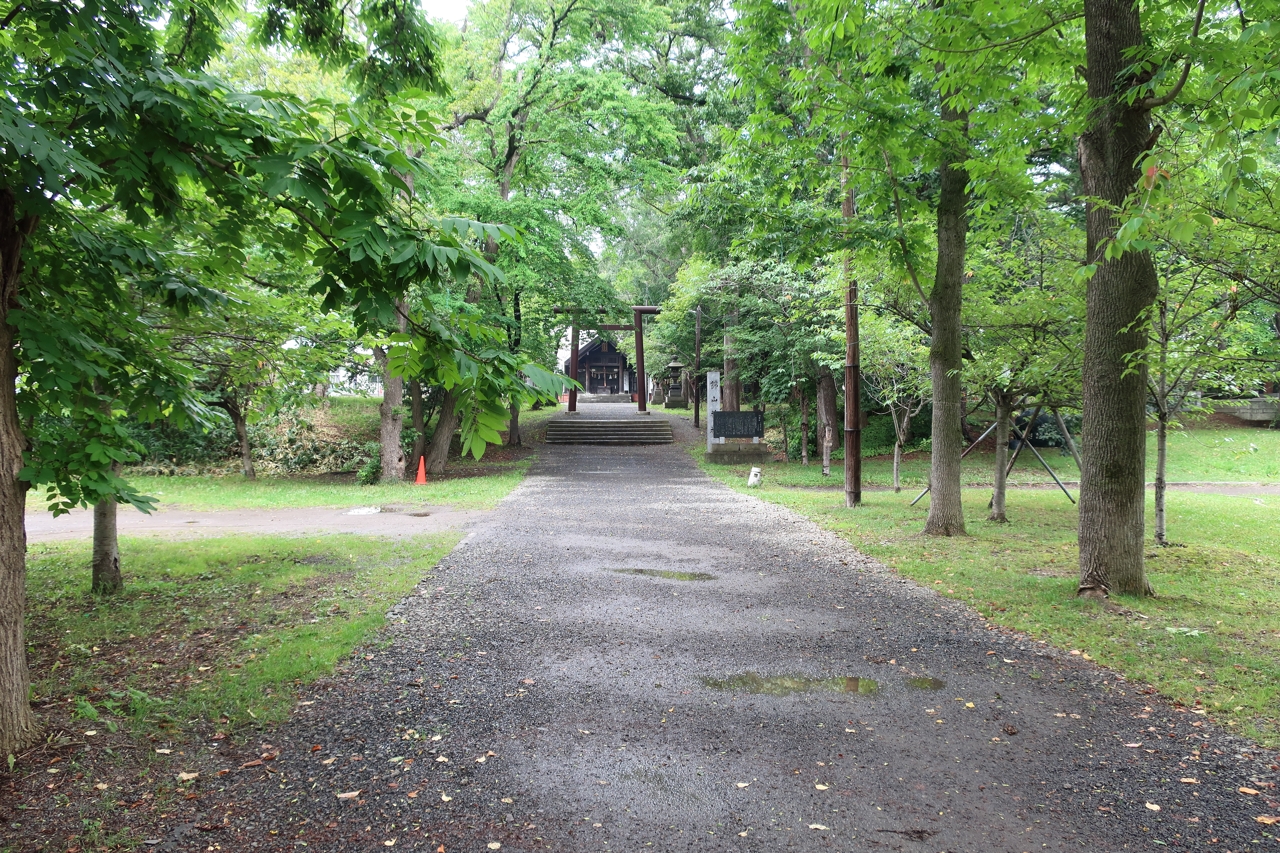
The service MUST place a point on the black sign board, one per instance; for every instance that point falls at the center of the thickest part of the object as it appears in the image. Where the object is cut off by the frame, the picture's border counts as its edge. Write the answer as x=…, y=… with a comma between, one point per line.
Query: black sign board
x=738, y=425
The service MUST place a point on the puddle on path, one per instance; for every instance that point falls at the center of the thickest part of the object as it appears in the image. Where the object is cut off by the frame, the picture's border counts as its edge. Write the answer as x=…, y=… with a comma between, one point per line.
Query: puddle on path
x=923, y=683
x=668, y=575
x=785, y=685
x=364, y=510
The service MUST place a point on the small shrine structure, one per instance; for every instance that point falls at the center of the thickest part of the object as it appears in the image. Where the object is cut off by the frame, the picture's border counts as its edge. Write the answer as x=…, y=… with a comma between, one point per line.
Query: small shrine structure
x=602, y=369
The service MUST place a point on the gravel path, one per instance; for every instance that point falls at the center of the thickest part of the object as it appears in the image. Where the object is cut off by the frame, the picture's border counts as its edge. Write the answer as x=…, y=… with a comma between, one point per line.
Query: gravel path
x=550, y=689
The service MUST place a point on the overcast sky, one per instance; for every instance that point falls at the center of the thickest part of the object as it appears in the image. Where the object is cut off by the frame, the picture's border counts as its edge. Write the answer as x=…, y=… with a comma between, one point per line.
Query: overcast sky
x=448, y=10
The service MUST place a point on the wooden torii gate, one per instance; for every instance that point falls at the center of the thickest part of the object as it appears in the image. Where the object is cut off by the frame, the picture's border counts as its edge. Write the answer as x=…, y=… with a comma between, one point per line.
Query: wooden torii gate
x=639, y=312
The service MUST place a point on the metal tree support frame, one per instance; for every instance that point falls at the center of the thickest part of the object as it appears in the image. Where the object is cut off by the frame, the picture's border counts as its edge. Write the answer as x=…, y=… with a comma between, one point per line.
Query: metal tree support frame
x=1022, y=441
x=576, y=325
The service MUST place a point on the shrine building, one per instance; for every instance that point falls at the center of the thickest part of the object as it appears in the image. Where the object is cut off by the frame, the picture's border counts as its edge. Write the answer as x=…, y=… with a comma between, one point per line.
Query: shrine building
x=602, y=369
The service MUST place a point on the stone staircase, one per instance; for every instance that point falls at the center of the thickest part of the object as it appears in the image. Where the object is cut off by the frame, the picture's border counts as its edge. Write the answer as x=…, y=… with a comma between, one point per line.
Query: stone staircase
x=634, y=430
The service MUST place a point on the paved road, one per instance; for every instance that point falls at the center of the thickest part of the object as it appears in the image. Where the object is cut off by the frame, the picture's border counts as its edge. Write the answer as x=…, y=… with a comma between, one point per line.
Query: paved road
x=798, y=697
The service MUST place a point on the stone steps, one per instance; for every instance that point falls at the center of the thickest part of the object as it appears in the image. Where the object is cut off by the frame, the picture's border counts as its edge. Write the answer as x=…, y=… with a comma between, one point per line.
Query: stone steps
x=638, y=430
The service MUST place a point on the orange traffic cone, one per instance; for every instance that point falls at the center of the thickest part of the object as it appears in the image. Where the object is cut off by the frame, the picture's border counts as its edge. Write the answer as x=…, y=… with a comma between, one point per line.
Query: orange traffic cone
x=422, y=471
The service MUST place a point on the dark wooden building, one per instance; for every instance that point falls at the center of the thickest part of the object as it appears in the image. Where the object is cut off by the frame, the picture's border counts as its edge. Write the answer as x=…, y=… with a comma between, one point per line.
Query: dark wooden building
x=604, y=370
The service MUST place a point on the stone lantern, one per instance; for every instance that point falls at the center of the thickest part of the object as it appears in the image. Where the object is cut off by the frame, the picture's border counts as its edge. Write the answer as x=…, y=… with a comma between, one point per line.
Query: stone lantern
x=675, y=386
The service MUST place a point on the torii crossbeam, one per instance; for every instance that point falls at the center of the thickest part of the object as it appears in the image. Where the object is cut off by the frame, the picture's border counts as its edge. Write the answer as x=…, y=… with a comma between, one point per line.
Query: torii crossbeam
x=639, y=312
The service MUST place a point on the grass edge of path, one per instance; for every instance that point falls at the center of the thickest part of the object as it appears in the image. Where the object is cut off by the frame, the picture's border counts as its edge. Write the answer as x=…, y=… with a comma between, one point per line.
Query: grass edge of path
x=1210, y=641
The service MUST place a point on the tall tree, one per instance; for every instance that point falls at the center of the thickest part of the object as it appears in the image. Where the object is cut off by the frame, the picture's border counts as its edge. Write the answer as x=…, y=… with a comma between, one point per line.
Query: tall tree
x=105, y=110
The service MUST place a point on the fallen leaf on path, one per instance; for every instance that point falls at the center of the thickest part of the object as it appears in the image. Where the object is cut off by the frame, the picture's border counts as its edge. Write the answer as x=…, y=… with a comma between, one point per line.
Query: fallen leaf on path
x=526, y=681
x=481, y=759
x=1153, y=807
x=390, y=842
x=349, y=795
x=329, y=760
x=102, y=786
x=821, y=787
x=1133, y=745
x=743, y=834
x=1268, y=819
x=187, y=777
x=1250, y=791
x=494, y=845
x=743, y=784
x=412, y=794
x=1190, y=780
x=163, y=751
x=442, y=759
x=818, y=826
x=508, y=800
x=851, y=731
x=257, y=762
x=445, y=798
x=968, y=704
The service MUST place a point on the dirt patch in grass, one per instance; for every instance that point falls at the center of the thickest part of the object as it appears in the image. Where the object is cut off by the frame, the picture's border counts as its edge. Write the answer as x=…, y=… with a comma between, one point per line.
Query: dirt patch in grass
x=207, y=645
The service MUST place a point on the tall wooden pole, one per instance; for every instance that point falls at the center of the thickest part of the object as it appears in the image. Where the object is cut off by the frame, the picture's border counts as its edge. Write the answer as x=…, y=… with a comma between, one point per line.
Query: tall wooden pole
x=852, y=366
x=640, y=383
x=697, y=361
x=573, y=363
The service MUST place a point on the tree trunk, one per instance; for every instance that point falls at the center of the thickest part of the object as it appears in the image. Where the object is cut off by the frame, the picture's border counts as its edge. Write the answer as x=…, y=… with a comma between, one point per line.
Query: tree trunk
x=804, y=428
x=242, y=436
x=418, y=420
x=731, y=382
x=1162, y=456
x=1003, y=414
x=897, y=465
x=106, y=549
x=513, y=427
x=446, y=423
x=946, y=514
x=18, y=726
x=901, y=432
x=827, y=433
x=390, y=421
x=1114, y=431
x=828, y=407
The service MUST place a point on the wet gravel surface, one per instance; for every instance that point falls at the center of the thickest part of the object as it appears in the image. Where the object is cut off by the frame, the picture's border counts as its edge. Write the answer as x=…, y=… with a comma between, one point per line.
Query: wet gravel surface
x=540, y=693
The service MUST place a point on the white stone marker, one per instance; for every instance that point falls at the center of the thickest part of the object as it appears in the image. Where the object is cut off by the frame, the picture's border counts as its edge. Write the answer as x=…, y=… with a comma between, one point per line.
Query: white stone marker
x=713, y=406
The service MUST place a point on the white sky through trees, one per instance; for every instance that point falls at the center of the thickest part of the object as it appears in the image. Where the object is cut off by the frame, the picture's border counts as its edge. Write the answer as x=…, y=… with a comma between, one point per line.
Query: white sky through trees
x=447, y=10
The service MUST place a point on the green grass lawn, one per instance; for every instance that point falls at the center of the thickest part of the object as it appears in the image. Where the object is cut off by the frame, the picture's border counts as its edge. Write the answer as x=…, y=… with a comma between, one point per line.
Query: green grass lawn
x=1232, y=454
x=215, y=632
x=488, y=485
x=468, y=483
x=1211, y=639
